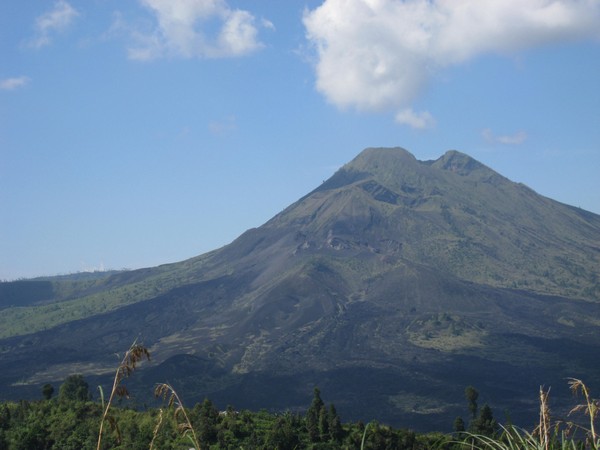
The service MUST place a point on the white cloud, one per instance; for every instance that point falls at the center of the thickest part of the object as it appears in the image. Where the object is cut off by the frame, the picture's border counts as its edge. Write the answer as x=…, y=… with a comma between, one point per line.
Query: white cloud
x=10, y=84
x=378, y=55
x=56, y=20
x=514, y=139
x=267, y=24
x=223, y=127
x=182, y=29
x=420, y=121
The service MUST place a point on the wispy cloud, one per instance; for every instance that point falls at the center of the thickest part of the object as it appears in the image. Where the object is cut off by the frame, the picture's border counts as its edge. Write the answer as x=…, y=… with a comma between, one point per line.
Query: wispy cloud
x=267, y=24
x=413, y=119
x=223, y=127
x=379, y=55
x=56, y=20
x=10, y=84
x=514, y=139
x=186, y=28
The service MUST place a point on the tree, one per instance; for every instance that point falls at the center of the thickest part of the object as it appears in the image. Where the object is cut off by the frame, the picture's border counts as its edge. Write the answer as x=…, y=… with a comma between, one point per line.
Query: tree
x=485, y=423
x=313, y=415
x=283, y=434
x=324, y=424
x=30, y=436
x=472, y=395
x=208, y=416
x=47, y=391
x=3, y=440
x=459, y=426
x=74, y=388
x=4, y=416
x=336, y=431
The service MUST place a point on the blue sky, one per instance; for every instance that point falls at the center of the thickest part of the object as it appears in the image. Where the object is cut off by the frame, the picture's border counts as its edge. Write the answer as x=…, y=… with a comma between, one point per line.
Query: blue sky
x=140, y=132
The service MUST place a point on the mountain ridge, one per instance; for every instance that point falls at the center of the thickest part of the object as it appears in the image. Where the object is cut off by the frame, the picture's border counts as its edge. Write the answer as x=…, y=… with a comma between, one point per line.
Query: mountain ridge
x=393, y=270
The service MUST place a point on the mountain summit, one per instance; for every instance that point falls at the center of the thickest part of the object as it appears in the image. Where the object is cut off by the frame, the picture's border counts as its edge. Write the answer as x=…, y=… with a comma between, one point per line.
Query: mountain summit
x=392, y=286
x=455, y=215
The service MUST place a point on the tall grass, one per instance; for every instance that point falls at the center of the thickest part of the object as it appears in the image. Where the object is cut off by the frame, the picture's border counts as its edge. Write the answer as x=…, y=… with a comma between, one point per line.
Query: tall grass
x=589, y=408
x=547, y=435
x=184, y=425
x=132, y=357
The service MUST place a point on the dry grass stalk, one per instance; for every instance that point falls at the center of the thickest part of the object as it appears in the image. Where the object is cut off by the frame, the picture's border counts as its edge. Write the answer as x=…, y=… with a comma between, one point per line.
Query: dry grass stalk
x=168, y=394
x=157, y=428
x=589, y=408
x=543, y=429
x=543, y=437
x=132, y=357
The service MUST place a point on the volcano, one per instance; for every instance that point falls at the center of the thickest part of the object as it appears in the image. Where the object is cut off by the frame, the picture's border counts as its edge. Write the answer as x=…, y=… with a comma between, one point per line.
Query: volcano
x=392, y=286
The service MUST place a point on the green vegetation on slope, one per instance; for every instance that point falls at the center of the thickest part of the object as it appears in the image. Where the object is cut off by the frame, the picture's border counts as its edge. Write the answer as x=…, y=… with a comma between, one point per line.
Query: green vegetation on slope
x=72, y=421
x=65, y=300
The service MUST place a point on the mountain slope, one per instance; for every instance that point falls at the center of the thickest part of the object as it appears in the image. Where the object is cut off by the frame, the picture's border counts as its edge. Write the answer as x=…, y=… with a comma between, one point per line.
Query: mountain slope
x=392, y=286
x=456, y=215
